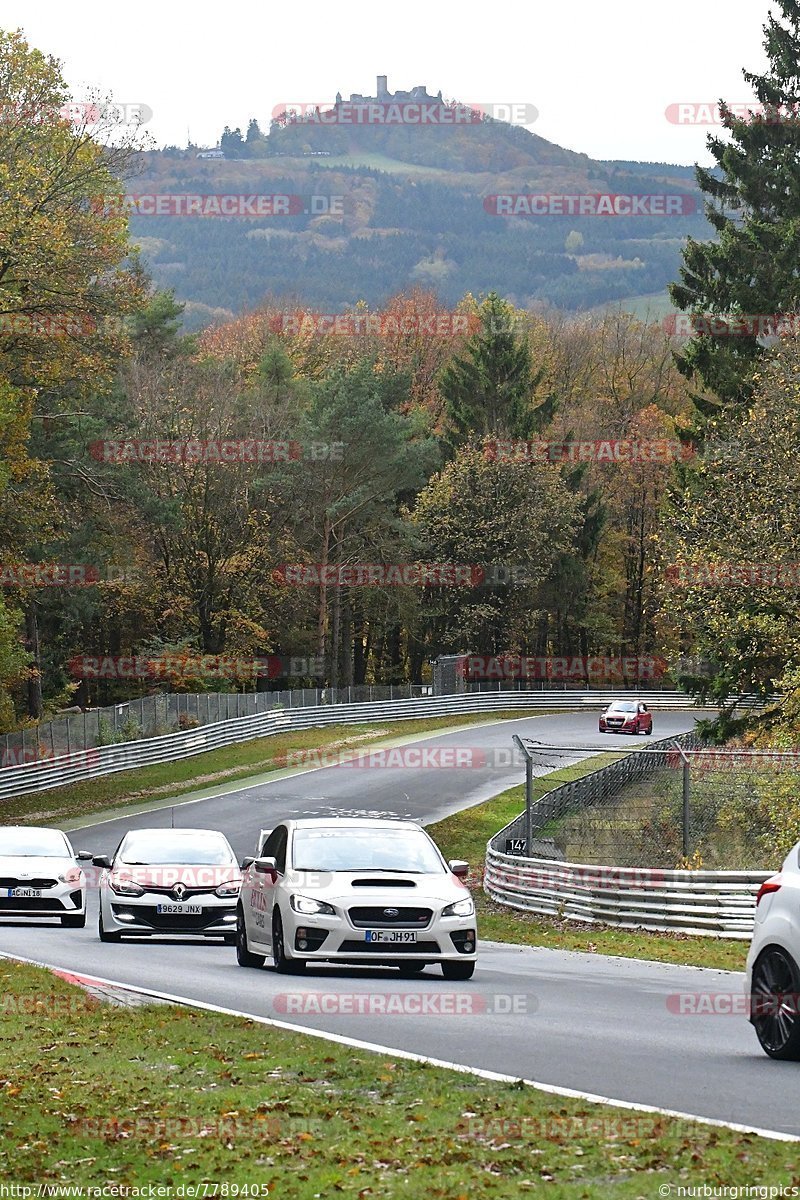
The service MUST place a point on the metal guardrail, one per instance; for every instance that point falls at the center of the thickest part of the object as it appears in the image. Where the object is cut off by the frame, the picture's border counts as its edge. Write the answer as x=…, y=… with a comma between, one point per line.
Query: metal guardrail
x=163, y=712
x=52, y=772
x=709, y=903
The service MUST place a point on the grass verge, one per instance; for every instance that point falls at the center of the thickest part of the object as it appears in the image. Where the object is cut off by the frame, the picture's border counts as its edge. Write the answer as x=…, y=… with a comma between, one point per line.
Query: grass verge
x=465, y=835
x=245, y=760
x=164, y=1095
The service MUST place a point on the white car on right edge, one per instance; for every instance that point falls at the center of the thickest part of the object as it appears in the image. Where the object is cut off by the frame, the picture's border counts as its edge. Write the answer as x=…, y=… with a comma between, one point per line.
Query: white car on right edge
x=355, y=890
x=773, y=974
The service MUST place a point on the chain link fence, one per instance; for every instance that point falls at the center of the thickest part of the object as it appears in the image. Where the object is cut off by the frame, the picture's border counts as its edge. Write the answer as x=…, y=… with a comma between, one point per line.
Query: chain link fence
x=152, y=716
x=677, y=805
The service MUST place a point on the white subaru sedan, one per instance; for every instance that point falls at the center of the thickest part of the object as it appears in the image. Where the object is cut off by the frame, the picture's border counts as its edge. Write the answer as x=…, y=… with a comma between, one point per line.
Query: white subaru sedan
x=773, y=962
x=173, y=881
x=40, y=876
x=360, y=890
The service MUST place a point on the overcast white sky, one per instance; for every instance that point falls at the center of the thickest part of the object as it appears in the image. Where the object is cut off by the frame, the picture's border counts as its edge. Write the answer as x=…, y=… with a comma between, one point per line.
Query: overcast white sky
x=600, y=72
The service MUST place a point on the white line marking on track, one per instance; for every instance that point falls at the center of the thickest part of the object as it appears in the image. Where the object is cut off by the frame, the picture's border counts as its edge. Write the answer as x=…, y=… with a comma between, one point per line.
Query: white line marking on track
x=340, y=1039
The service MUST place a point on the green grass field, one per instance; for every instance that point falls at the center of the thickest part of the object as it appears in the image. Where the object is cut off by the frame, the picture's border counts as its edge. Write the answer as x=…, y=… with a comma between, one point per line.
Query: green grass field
x=164, y=1095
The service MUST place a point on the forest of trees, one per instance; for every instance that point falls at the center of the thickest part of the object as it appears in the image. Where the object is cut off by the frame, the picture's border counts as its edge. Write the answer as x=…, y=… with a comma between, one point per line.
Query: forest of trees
x=392, y=433
x=398, y=233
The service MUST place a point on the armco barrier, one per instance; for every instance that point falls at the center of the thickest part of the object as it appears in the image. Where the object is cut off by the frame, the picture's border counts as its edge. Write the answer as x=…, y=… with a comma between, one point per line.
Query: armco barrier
x=105, y=760
x=709, y=903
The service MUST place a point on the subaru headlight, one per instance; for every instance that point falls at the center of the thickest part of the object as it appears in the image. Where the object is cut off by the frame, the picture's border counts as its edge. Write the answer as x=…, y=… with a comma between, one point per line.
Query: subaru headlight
x=461, y=908
x=305, y=904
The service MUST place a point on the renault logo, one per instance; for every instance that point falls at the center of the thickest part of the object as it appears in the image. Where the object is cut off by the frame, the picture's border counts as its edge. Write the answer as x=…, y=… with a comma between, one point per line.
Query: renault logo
x=391, y=912
x=179, y=891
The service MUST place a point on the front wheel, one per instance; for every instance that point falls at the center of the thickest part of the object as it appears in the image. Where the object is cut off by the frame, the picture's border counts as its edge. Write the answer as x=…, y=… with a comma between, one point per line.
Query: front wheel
x=283, y=964
x=776, y=983
x=243, y=955
x=74, y=920
x=105, y=936
x=458, y=970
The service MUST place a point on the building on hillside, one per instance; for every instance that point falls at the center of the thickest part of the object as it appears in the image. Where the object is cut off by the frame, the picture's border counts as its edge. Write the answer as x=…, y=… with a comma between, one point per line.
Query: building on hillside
x=417, y=95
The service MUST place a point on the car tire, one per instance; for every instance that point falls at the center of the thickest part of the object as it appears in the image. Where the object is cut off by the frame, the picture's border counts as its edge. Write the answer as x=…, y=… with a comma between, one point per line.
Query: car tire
x=458, y=970
x=408, y=969
x=283, y=964
x=776, y=974
x=103, y=933
x=74, y=920
x=243, y=955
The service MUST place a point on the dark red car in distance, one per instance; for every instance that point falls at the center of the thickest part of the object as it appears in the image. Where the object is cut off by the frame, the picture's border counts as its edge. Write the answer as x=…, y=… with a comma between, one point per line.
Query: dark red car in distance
x=626, y=716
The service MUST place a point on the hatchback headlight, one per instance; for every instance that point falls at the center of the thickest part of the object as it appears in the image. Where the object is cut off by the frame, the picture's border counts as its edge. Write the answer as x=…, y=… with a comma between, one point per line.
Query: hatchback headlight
x=231, y=888
x=73, y=876
x=124, y=886
x=461, y=908
x=305, y=904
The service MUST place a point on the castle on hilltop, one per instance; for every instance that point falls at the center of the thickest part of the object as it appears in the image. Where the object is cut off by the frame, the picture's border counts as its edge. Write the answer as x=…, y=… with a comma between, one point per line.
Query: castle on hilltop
x=419, y=95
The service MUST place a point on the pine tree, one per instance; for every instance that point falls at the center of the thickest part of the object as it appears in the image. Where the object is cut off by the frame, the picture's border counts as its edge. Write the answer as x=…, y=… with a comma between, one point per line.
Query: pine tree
x=754, y=206
x=488, y=388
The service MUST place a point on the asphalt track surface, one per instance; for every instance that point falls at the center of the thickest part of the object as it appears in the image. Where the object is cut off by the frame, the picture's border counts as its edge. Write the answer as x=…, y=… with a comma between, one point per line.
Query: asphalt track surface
x=618, y=1028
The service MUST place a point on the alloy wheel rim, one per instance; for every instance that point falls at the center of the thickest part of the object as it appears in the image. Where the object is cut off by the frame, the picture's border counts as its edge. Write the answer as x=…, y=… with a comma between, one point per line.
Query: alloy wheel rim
x=775, y=1001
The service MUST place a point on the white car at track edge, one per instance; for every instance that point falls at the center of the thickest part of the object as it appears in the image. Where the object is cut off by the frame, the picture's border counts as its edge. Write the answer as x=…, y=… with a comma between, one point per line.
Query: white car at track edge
x=363, y=891
x=40, y=876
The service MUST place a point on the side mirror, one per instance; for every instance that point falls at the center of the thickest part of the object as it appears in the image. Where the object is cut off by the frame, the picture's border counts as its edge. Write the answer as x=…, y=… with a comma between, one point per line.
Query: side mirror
x=84, y=856
x=266, y=866
x=245, y=863
x=459, y=868
x=101, y=860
